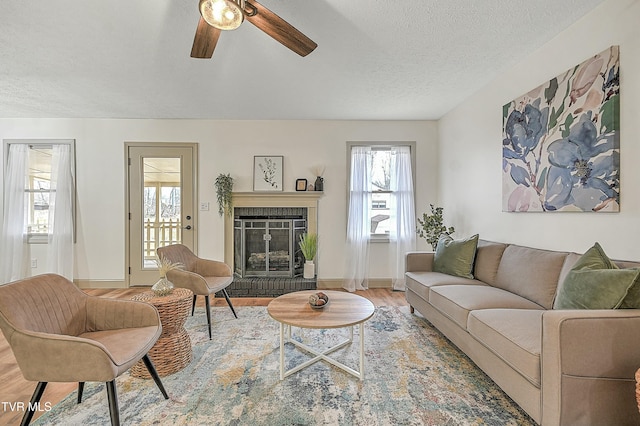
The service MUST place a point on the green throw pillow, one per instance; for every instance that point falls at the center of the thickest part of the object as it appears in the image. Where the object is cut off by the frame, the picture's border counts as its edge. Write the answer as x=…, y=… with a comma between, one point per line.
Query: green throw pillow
x=595, y=282
x=632, y=300
x=455, y=257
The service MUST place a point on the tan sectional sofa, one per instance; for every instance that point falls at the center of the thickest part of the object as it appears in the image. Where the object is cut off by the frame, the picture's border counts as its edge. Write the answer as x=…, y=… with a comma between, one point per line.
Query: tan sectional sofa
x=563, y=367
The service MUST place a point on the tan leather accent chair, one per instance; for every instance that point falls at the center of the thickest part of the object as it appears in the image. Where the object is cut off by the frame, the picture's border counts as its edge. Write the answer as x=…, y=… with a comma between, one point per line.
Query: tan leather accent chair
x=202, y=276
x=58, y=333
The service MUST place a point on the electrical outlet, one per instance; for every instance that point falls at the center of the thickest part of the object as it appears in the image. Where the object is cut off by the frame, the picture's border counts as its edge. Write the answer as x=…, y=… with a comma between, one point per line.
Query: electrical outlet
x=34, y=263
x=204, y=206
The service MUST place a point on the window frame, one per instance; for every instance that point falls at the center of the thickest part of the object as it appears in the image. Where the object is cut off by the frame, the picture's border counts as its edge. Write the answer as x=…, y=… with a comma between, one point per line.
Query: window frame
x=43, y=238
x=380, y=145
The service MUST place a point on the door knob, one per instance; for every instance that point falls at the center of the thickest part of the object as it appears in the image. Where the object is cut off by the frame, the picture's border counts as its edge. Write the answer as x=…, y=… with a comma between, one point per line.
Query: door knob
x=187, y=227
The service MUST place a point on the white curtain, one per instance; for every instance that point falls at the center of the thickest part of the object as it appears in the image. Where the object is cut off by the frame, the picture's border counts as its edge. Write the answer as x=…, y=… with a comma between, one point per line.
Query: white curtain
x=14, y=250
x=60, y=237
x=359, y=220
x=403, y=226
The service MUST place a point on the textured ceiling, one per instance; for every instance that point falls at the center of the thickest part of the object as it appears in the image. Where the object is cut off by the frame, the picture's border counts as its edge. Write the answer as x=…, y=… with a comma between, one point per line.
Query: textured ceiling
x=130, y=58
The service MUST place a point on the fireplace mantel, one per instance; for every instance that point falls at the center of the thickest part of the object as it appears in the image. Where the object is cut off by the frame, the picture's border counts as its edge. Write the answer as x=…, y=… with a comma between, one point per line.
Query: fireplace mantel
x=306, y=199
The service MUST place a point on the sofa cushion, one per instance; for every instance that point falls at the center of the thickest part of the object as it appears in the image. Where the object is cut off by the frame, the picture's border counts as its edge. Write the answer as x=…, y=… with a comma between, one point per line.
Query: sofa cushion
x=595, y=282
x=455, y=257
x=420, y=282
x=531, y=273
x=514, y=335
x=567, y=266
x=456, y=301
x=488, y=257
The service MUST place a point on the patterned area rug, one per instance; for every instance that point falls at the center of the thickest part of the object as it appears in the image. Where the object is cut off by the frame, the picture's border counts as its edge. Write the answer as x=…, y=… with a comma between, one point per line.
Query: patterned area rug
x=413, y=376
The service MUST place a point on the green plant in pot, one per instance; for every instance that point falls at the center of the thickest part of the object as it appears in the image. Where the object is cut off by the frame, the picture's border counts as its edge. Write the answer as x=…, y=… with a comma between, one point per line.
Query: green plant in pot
x=224, y=193
x=309, y=247
x=431, y=226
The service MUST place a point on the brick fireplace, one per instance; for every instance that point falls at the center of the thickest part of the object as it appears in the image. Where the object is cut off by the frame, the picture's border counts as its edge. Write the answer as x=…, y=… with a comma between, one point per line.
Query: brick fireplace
x=278, y=218
x=265, y=241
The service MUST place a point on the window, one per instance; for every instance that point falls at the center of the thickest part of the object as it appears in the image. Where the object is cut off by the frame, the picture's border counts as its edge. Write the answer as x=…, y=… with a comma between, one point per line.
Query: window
x=38, y=189
x=38, y=185
x=381, y=192
x=381, y=207
x=39, y=195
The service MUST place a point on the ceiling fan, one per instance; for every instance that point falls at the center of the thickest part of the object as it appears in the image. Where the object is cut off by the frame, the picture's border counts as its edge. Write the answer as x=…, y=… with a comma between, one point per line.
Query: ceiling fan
x=221, y=15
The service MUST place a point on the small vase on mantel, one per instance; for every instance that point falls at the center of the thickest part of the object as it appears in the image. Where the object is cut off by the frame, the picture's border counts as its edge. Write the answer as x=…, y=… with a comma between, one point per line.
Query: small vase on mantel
x=309, y=271
x=319, y=184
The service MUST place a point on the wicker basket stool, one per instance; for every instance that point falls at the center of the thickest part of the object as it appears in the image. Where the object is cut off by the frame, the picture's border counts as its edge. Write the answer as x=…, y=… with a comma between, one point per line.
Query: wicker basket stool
x=172, y=352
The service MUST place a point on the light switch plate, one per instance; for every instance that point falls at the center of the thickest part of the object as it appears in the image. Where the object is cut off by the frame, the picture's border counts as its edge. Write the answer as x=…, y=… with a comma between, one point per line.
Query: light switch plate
x=204, y=206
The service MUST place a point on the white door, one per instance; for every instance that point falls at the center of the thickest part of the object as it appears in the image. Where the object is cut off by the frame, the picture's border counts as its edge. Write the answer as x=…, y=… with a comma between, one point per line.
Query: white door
x=161, y=205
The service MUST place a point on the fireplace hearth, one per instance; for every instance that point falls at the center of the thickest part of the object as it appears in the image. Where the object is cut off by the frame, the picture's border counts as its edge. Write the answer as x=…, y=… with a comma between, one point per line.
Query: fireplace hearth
x=268, y=287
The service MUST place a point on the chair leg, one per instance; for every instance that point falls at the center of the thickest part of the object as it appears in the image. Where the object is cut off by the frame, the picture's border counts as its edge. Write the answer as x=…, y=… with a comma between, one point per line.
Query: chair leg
x=80, y=390
x=226, y=296
x=37, y=394
x=193, y=307
x=208, y=308
x=154, y=374
x=112, y=395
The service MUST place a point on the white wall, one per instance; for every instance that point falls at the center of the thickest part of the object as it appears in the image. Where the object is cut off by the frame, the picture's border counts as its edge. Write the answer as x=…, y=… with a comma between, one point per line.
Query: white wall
x=224, y=147
x=471, y=149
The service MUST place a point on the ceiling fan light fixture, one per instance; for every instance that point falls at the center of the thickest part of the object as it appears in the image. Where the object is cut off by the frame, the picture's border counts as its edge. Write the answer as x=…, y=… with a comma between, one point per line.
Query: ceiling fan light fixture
x=222, y=14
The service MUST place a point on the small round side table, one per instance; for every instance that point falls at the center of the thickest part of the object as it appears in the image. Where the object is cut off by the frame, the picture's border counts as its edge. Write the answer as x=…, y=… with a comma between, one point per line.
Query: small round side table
x=172, y=352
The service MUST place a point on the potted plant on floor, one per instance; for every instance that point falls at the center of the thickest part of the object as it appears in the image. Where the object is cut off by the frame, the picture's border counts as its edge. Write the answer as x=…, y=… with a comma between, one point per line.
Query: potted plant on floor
x=309, y=248
x=431, y=226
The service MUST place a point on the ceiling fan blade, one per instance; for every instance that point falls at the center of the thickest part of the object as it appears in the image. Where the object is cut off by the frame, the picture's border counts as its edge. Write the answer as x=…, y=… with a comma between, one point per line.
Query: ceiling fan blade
x=205, y=40
x=278, y=28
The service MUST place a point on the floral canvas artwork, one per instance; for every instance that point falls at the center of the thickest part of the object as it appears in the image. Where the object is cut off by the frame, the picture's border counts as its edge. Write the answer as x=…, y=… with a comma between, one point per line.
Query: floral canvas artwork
x=267, y=173
x=561, y=141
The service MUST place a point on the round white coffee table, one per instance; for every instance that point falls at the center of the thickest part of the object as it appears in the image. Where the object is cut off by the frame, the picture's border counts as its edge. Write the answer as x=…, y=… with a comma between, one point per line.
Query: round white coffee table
x=343, y=310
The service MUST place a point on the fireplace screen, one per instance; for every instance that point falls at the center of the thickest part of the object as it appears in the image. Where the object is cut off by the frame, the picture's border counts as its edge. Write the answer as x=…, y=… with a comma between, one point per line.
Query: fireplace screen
x=268, y=247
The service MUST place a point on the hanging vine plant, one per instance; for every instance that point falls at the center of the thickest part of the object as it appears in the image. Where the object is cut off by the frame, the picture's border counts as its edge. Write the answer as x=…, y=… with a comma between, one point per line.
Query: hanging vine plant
x=224, y=193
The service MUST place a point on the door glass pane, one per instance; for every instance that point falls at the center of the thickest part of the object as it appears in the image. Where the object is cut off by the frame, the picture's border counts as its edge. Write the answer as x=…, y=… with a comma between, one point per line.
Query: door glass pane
x=162, y=206
x=170, y=202
x=150, y=203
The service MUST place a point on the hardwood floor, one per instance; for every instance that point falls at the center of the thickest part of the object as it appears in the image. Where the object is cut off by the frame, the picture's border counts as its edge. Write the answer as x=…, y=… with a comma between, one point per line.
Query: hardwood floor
x=14, y=389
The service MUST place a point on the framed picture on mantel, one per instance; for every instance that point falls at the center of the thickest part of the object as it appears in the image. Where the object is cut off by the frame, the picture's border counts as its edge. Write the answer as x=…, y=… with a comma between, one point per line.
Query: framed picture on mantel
x=267, y=172
x=301, y=184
